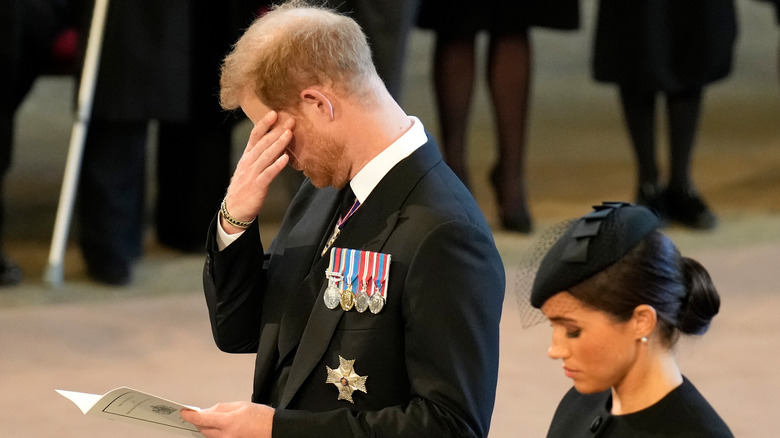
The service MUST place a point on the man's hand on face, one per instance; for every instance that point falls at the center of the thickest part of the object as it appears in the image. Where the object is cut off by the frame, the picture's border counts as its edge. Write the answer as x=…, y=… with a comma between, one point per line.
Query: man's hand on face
x=263, y=159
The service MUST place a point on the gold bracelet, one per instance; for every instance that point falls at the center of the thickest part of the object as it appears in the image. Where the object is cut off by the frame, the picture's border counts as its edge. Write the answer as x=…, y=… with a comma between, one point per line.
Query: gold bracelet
x=230, y=219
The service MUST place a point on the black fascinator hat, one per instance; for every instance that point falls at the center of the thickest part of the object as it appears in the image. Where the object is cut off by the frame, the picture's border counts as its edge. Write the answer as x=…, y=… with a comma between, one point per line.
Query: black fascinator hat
x=589, y=245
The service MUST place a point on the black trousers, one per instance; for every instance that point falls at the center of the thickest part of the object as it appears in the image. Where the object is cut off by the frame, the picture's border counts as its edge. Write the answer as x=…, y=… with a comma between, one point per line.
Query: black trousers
x=192, y=175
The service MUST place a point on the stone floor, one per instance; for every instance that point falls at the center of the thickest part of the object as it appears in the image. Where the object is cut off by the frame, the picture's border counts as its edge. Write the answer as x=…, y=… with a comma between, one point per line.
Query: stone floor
x=154, y=334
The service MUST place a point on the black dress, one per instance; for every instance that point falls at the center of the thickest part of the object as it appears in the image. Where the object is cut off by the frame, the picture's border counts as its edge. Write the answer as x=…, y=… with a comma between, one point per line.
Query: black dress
x=682, y=413
x=501, y=16
x=664, y=45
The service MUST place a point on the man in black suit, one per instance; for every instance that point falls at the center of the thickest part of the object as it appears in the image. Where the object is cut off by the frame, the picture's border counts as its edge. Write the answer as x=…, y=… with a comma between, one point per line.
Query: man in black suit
x=28, y=31
x=426, y=363
x=160, y=60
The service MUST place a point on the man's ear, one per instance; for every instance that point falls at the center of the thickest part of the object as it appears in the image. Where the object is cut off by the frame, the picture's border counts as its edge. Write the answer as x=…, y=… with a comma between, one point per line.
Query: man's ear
x=645, y=319
x=321, y=103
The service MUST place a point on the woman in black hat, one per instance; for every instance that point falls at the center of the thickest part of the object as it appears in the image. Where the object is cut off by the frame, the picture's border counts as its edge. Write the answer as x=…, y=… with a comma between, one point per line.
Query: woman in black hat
x=618, y=295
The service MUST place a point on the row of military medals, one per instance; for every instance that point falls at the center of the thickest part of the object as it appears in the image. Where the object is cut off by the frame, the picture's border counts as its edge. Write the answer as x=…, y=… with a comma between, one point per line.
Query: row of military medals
x=357, y=279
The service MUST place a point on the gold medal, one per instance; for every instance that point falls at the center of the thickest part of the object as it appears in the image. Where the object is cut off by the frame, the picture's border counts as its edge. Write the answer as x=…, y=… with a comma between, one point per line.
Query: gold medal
x=348, y=295
x=348, y=299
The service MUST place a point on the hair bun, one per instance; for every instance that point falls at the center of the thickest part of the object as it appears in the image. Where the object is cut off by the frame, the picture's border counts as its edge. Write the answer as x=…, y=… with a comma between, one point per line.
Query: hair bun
x=702, y=301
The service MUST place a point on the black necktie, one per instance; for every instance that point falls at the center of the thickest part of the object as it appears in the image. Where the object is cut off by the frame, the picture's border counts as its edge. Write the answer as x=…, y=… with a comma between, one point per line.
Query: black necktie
x=347, y=200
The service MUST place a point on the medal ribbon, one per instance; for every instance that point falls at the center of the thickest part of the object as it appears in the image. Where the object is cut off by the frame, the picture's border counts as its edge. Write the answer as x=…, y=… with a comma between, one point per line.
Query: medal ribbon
x=386, y=275
x=332, y=266
x=363, y=268
x=342, y=220
x=353, y=268
x=375, y=272
x=381, y=268
x=343, y=267
x=339, y=224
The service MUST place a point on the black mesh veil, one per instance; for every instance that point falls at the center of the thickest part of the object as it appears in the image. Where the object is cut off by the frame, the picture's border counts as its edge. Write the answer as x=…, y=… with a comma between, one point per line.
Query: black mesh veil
x=527, y=269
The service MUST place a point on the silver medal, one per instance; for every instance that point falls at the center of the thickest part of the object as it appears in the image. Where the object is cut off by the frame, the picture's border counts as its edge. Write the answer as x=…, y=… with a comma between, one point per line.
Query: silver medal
x=332, y=294
x=362, y=300
x=376, y=303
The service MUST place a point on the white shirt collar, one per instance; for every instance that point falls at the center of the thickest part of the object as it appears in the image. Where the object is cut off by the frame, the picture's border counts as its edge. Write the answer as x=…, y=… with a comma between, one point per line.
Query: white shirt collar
x=369, y=176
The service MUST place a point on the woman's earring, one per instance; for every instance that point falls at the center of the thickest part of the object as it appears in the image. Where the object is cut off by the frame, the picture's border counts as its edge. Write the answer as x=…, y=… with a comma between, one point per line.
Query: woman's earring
x=644, y=339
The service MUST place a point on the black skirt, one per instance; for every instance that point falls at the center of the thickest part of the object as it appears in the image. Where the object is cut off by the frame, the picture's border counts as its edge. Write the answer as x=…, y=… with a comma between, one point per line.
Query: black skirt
x=665, y=45
x=497, y=16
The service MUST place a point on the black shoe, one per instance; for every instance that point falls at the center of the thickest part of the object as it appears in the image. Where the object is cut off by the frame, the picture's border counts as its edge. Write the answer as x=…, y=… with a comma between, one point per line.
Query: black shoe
x=688, y=208
x=653, y=197
x=516, y=220
x=111, y=273
x=10, y=273
x=519, y=223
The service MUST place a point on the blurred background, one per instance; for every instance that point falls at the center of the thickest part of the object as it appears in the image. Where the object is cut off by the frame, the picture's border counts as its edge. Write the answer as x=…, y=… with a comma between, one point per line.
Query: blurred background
x=154, y=334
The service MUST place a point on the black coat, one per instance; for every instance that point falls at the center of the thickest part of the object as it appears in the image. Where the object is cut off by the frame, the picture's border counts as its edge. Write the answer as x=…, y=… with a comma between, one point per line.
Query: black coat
x=682, y=413
x=161, y=58
x=431, y=356
x=144, y=62
x=665, y=45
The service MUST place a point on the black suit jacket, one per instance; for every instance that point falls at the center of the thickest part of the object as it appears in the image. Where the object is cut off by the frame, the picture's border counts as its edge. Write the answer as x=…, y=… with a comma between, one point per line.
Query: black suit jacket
x=430, y=357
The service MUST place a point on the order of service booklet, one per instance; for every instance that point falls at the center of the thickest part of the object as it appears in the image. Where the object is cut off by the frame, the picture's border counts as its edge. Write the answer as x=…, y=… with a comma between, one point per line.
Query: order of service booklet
x=135, y=407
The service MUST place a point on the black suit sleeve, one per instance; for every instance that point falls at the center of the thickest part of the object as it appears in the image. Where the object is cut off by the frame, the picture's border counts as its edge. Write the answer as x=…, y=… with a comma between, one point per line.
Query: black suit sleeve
x=233, y=281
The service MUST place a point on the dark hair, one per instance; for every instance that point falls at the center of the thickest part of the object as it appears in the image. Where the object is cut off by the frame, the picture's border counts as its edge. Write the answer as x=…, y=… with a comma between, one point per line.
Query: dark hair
x=654, y=273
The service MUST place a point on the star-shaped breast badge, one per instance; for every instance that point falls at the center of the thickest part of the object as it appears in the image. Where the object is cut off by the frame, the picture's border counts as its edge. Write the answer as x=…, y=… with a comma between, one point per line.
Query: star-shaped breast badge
x=346, y=379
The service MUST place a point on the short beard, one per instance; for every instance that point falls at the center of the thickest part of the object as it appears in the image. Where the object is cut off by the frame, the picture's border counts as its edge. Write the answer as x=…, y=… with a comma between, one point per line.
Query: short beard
x=326, y=164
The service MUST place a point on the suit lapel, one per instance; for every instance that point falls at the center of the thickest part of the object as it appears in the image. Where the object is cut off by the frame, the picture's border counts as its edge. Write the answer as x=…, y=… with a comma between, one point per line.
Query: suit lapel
x=304, y=285
x=368, y=229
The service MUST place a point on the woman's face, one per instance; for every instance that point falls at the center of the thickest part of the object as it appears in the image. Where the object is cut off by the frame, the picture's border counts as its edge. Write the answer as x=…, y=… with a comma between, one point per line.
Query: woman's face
x=597, y=352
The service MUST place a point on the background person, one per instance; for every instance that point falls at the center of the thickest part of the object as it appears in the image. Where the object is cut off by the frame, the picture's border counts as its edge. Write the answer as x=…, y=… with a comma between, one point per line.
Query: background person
x=28, y=31
x=673, y=49
x=159, y=61
x=509, y=68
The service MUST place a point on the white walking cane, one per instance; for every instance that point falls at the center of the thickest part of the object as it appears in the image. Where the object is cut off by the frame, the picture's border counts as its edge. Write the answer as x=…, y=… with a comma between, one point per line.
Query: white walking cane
x=54, y=271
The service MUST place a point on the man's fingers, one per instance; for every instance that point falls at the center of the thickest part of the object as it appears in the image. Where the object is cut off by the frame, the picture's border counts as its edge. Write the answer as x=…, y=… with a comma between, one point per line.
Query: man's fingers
x=272, y=171
x=261, y=128
x=262, y=161
x=266, y=130
x=207, y=418
x=192, y=416
x=270, y=156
